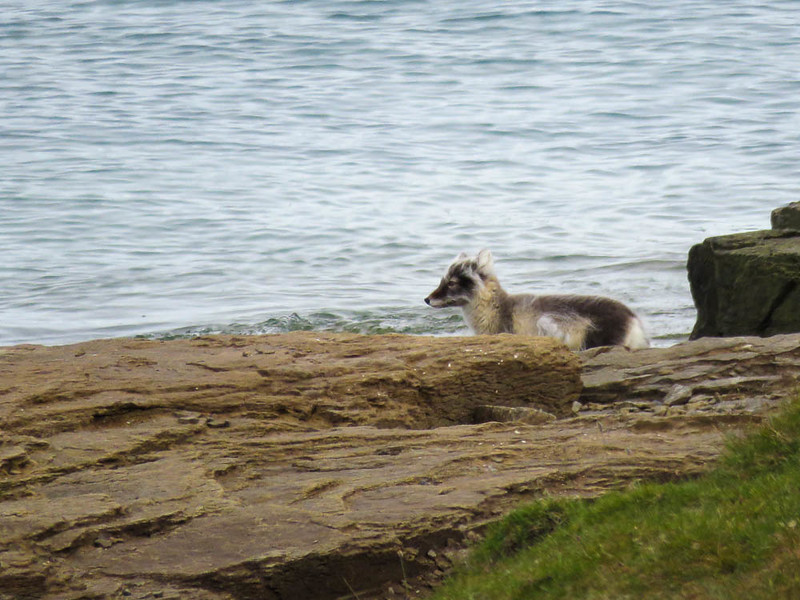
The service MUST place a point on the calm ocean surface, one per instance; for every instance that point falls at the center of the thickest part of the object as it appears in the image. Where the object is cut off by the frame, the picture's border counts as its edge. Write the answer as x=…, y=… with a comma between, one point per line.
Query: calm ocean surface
x=175, y=167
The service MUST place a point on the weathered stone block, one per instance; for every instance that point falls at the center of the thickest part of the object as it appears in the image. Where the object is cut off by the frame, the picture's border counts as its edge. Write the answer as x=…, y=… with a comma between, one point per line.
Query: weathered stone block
x=746, y=284
x=324, y=379
x=786, y=217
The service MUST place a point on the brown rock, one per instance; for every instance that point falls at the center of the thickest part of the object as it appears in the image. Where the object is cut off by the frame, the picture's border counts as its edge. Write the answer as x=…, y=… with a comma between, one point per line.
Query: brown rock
x=743, y=374
x=117, y=485
x=504, y=414
x=310, y=380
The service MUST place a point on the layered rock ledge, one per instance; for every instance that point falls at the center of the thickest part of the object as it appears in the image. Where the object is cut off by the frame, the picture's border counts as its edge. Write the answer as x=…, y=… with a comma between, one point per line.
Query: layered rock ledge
x=332, y=465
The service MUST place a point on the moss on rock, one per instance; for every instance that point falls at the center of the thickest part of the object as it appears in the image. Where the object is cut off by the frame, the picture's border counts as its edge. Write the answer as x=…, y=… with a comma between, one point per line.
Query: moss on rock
x=746, y=284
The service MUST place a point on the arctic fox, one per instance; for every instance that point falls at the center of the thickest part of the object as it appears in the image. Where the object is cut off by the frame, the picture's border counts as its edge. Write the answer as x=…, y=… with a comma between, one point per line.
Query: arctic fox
x=580, y=322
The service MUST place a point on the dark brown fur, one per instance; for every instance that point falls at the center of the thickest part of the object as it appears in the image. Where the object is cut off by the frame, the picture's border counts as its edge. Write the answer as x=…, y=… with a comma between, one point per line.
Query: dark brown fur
x=610, y=318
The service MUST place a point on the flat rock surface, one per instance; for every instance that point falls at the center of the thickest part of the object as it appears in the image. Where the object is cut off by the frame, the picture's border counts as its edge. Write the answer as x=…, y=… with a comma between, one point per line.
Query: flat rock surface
x=330, y=465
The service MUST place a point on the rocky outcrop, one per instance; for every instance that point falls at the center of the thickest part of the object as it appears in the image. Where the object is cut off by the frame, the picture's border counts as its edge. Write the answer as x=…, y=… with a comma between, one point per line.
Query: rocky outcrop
x=746, y=284
x=786, y=217
x=714, y=377
x=305, y=378
x=323, y=466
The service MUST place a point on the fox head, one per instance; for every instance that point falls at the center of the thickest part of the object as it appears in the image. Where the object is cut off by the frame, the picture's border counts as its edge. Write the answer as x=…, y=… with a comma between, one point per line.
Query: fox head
x=465, y=277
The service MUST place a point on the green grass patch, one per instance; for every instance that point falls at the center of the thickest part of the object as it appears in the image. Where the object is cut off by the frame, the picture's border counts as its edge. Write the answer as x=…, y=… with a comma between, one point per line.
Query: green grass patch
x=733, y=533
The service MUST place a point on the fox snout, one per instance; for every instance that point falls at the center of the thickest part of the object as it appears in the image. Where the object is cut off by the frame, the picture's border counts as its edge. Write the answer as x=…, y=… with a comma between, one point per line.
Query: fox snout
x=437, y=298
x=434, y=299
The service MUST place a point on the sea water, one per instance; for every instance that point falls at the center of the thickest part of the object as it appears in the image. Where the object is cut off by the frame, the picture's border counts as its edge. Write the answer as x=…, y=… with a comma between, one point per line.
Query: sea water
x=178, y=167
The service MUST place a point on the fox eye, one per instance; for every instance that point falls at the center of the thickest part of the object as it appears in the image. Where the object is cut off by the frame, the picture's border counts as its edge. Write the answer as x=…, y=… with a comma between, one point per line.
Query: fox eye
x=452, y=283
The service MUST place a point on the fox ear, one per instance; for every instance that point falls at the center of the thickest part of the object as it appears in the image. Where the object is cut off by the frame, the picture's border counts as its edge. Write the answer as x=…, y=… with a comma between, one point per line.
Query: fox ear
x=485, y=261
x=462, y=256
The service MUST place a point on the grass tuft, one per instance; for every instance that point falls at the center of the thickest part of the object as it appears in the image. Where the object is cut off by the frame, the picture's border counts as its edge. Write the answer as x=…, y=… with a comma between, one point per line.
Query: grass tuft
x=519, y=530
x=733, y=533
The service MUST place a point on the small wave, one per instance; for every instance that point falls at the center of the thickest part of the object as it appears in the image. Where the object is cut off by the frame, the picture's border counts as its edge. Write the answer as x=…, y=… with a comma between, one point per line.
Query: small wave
x=364, y=322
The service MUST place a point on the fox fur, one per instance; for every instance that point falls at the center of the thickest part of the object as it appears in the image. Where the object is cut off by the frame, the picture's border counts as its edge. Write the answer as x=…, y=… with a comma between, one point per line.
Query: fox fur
x=580, y=322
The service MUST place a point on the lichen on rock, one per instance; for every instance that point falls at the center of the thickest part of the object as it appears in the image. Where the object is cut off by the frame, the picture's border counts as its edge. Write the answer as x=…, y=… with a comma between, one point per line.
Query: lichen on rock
x=786, y=217
x=746, y=284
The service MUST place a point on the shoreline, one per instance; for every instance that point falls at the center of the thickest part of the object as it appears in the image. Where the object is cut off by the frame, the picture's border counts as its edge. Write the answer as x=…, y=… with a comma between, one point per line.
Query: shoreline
x=278, y=466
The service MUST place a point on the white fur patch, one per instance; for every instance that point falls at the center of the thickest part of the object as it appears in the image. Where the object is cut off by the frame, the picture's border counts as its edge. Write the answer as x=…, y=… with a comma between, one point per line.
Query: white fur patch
x=572, y=331
x=636, y=338
x=437, y=303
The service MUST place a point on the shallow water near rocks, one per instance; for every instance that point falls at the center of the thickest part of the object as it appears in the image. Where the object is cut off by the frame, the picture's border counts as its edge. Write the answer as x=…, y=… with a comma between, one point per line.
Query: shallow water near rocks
x=173, y=168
